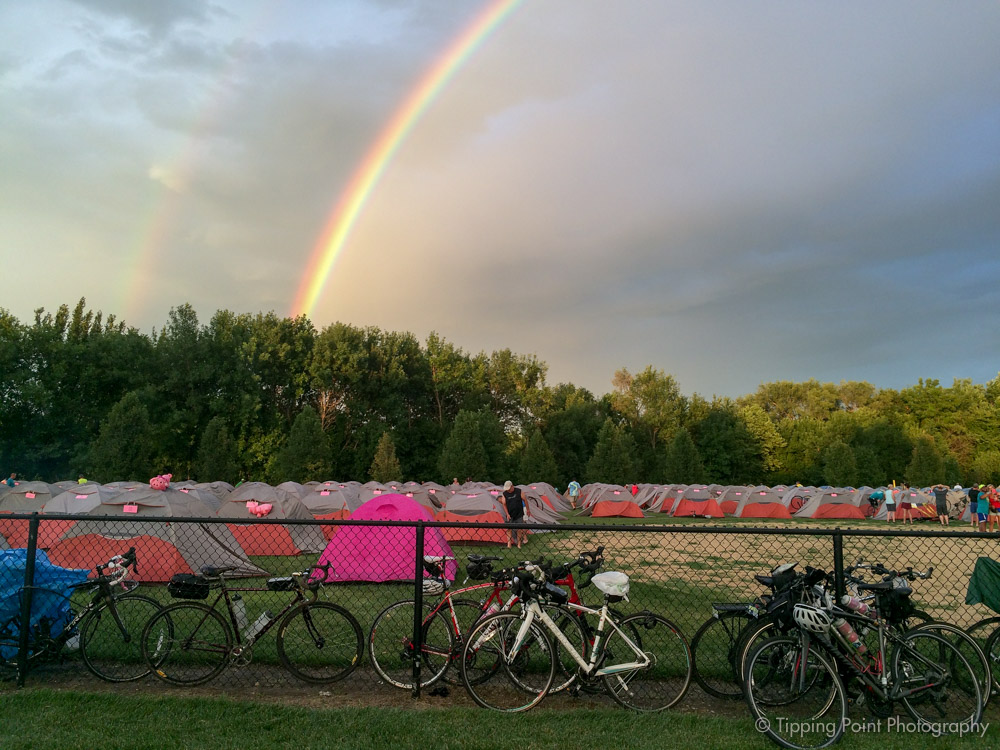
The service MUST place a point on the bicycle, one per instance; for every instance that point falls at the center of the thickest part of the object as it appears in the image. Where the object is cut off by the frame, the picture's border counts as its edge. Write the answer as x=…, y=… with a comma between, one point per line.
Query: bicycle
x=189, y=642
x=391, y=645
x=108, y=627
x=796, y=695
x=509, y=664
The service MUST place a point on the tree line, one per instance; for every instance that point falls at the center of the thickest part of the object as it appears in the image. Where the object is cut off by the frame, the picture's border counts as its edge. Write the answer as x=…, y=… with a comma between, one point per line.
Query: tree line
x=270, y=398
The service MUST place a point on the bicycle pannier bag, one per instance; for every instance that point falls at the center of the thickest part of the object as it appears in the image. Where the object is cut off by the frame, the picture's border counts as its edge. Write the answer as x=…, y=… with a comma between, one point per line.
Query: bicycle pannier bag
x=188, y=586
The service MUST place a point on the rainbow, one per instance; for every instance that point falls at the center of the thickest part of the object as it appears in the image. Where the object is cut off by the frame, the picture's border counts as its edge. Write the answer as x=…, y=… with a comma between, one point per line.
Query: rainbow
x=354, y=197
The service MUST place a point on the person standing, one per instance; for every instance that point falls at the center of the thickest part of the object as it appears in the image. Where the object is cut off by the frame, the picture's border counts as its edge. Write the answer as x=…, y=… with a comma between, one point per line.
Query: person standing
x=973, y=493
x=890, y=504
x=983, y=506
x=941, y=501
x=516, y=510
x=573, y=490
x=905, y=505
x=994, y=508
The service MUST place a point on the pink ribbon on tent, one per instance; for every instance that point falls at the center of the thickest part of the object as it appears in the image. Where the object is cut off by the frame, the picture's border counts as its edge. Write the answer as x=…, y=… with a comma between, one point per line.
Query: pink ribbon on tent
x=258, y=509
x=324, y=492
x=30, y=495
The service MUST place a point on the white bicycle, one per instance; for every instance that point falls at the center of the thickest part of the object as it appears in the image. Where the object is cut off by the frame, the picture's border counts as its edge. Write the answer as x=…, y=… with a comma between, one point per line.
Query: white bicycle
x=509, y=661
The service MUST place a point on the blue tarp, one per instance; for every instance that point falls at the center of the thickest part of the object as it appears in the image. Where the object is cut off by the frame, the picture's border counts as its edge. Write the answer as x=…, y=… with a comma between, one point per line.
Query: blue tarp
x=50, y=597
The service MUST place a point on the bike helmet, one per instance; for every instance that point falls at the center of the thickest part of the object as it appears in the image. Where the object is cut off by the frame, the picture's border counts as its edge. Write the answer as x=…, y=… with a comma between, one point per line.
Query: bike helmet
x=811, y=618
x=434, y=586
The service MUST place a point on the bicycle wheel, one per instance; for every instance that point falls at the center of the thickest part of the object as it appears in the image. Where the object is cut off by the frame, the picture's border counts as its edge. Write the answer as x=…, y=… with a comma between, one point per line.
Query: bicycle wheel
x=713, y=653
x=467, y=612
x=390, y=645
x=9, y=644
x=665, y=681
x=320, y=642
x=187, y=643
x=981, y=632
x=750, y=638
x=794, y=694
x=968, y=647
x=501, y=678
x=111, y=651
x=939, y=688
x=570, y=626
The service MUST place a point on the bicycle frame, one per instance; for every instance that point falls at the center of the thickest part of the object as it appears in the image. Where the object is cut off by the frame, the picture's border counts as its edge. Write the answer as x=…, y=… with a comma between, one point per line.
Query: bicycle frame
x=589, y=667
x=243, y=641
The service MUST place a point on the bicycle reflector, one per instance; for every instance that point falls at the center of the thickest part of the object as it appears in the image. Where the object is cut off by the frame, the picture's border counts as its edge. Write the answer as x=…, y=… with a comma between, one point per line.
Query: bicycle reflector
x=612, y=583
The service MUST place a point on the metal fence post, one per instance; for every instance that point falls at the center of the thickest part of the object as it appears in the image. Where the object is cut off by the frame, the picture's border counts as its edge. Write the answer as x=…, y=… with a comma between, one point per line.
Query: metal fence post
x=26, y=595
x=838, y=564
x=418, y=608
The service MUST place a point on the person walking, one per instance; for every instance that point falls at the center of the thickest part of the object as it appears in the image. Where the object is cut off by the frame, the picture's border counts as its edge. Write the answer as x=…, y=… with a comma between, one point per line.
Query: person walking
x=941, y=501
x=517, y=508
x=573, y=490
x=890, y=504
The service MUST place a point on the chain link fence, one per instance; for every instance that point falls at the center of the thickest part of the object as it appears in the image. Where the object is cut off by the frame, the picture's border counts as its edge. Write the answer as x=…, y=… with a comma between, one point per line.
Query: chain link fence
x=675, y=571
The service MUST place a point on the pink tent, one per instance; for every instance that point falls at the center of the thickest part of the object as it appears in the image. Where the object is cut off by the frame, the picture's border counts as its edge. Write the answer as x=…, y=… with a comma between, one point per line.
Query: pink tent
x=384, y=553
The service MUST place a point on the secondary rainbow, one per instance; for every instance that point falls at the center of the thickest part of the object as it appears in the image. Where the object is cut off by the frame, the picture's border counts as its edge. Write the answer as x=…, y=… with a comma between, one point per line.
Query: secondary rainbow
x=366, y=176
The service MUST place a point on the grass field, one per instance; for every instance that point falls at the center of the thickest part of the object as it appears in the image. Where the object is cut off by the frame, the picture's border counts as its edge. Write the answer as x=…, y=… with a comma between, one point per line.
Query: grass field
x=40, y=719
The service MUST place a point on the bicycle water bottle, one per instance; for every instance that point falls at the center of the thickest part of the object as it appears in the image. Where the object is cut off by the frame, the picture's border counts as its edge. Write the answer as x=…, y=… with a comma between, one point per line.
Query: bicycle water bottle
x=843, y=627
x=240, y=610
x=852, y=602
x=259, y=624
x=492, y=609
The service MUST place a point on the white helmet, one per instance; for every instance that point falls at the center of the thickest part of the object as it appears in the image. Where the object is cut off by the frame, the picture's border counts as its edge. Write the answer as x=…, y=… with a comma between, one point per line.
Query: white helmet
x=811, y=618
x=434, y=586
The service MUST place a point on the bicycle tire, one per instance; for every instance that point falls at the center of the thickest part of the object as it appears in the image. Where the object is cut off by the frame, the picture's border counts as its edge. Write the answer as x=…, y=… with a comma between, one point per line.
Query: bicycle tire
x=468, y=613
x=713, y=654
x=320, y=642
x=665, y=681
x=106, y=651
x=390, y=645
x=971, y=650
x=764, y=628
x=791, y=706
x=981, y=633
x=499, y=683
x=569, y=624
x=943, y=678
x=187, y=643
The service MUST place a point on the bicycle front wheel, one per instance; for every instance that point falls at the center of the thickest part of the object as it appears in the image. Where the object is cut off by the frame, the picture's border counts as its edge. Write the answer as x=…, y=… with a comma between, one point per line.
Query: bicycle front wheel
x=794, y=693
x=391, y=645
x=501, y=674
x=112, y=647
x=938, y=687
x=713, y=654
x=320, y=642
x=665, y=680
x=971, y=650
x=187, y=643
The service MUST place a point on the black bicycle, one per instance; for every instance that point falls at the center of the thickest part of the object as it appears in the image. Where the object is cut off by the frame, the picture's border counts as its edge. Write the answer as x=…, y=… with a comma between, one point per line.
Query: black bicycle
x=188, y=643
x=108, y=627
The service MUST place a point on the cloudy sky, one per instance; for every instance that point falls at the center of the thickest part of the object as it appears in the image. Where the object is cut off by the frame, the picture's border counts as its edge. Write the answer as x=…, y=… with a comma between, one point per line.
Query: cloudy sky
x=732, y=192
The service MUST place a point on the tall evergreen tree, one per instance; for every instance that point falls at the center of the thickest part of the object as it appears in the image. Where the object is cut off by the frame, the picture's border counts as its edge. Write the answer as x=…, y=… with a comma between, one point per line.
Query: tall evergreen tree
x=537, y=462
x=613, y=461
x=385, y=466
x=683, y=462
x=306, y=454
x=840, y=468
x=217, y=458
x=926, y=467
x=463, y=454
x=125, y=449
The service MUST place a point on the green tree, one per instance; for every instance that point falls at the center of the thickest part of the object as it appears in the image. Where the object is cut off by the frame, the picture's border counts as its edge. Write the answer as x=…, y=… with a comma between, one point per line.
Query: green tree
x=985, y=468
x=727, y=449
x=652, y=404
x=217, y=457
x=306, y=455
x=926, y=466
x=870, y=471
x=537, y=462
x=463, y=454
x=125, y=449
x=683, y=462
x=768, y=439
x=385, y=466
x=613, y=461
x=840, y=468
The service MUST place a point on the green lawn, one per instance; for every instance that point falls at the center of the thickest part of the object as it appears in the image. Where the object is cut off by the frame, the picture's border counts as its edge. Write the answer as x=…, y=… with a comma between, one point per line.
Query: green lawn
x=39, y=719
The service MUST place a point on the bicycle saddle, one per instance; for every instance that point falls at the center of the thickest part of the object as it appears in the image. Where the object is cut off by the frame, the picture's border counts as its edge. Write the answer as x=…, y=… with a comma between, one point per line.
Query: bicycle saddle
x=212, y=572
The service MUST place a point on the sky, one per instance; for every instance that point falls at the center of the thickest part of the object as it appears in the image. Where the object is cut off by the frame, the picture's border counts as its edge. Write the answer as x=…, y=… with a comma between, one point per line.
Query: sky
x=733, y=193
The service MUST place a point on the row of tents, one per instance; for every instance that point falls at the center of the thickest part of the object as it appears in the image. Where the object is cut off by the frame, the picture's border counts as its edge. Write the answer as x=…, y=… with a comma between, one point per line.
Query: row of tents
x=796, y=501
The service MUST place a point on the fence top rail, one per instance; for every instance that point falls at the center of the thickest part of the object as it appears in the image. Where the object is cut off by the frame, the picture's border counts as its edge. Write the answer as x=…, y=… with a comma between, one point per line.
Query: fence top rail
x=593, y=528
